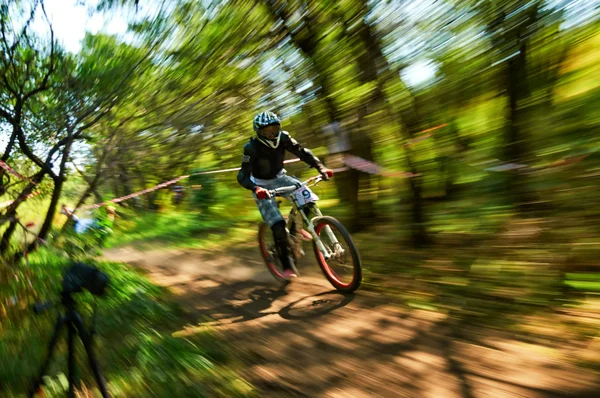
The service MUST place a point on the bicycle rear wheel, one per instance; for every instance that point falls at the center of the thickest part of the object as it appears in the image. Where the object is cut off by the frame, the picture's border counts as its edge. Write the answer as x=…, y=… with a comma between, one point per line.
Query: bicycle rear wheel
x=268, y=251
x=343, y=270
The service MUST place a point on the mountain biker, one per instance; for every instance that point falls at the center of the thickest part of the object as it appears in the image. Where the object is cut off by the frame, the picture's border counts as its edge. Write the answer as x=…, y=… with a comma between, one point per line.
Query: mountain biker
x=262, y=170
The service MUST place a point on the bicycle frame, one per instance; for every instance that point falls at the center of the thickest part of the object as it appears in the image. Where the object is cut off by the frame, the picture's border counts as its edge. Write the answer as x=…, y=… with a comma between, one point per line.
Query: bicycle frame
x=296, y=209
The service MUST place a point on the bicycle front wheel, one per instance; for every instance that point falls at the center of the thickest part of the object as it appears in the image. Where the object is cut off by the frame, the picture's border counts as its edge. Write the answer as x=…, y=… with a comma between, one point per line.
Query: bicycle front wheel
x=341, y=263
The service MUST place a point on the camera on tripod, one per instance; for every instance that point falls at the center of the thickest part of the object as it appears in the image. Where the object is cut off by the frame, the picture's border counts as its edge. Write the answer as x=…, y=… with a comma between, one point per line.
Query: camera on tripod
x=78, y=277
x=82, y=276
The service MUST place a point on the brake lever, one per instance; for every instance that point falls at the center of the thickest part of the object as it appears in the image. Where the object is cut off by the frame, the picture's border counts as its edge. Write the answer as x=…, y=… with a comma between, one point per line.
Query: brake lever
x=317, y=180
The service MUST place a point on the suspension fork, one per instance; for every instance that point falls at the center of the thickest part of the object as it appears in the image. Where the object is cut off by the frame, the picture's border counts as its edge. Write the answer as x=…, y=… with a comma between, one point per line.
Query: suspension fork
x=311, y=228
x=327, y=228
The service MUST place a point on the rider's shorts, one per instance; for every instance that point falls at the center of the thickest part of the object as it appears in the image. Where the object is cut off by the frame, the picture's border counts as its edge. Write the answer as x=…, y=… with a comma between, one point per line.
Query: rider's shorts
x=268, y=207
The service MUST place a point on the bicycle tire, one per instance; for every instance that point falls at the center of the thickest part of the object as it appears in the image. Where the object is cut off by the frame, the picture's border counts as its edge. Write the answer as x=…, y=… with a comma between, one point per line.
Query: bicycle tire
x=273, y=264
x=329, y=273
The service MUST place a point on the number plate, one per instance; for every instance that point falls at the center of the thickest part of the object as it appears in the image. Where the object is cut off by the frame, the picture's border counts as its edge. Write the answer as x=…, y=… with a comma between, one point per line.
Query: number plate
x=304, y=196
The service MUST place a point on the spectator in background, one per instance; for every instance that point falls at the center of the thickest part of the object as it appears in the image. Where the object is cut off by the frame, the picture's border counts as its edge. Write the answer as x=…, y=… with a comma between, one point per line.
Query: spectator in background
x=177, y=194
x=80, y=225
x=69, y=213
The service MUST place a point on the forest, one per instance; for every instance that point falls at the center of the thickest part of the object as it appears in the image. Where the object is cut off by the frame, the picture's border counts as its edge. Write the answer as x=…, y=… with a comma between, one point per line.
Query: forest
x=464, y=136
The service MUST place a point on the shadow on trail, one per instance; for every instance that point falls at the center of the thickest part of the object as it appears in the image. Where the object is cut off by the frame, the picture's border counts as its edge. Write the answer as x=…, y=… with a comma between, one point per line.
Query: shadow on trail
x=235, y=302
x=244, y=301
x=315, y=306
x=306, y=340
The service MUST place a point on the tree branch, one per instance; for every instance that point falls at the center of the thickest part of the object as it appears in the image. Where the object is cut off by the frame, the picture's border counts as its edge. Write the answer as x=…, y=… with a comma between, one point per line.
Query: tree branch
x=26, y=150
x=5, y=64
x=6, y=115
x=24, y=30
x=9, y=146
x=23, y=195
x=44, y=85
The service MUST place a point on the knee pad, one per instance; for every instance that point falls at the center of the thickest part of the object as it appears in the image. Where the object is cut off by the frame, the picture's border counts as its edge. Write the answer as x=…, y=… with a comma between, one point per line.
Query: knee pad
x=279, y=231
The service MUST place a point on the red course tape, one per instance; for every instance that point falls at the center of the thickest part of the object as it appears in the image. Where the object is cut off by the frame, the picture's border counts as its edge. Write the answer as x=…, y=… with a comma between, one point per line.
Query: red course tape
x=14, y=172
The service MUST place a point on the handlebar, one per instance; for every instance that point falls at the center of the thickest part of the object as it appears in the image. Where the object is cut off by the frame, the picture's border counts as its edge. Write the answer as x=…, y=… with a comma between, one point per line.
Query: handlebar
x=289, y=189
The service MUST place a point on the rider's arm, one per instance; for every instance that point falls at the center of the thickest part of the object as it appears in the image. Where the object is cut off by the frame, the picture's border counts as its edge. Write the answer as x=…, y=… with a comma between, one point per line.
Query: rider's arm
x=303, y=154
x=244, y=174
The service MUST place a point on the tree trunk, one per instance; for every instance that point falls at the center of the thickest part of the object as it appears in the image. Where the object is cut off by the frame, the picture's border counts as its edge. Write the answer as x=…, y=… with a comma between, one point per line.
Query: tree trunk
x=515, y=150
x=360, y=183
x=418, y=232
x=56, y=192
x=124, y=180
x=347, y=183
x=8, y=151
x=6, y=237
x=449, y=160
x=9, y=147
x=372, y=61
x=12, y=212
x=516, y=84
x=116, y=188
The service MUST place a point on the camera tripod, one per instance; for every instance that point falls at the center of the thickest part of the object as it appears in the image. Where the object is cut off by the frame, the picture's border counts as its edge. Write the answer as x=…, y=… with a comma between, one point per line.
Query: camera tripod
x=75, y=326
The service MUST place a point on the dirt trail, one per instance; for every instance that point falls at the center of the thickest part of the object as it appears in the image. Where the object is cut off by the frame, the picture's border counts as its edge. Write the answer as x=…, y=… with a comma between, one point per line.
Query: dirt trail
x=309, y=341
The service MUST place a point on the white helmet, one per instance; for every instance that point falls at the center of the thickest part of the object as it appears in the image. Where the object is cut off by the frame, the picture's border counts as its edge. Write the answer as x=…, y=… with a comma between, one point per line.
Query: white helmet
x=263, y=120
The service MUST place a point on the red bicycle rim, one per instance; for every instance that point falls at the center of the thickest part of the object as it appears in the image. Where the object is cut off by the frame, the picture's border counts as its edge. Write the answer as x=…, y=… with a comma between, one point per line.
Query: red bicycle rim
x=265, y=254
x=326, y=266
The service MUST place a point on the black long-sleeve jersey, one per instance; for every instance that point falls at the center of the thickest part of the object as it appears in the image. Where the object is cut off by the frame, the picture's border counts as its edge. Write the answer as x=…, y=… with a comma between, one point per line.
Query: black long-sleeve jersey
x=265, y=162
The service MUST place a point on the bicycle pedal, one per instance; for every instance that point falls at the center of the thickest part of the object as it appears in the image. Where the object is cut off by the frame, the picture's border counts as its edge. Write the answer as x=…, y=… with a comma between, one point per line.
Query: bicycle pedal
x=294, y=268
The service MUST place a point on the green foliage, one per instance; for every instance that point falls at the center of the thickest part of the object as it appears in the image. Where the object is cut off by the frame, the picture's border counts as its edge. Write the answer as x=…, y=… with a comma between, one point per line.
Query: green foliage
x=183, y=229
x=85, y=245
x=134, y=343
x=203, y=190
x=515, y=81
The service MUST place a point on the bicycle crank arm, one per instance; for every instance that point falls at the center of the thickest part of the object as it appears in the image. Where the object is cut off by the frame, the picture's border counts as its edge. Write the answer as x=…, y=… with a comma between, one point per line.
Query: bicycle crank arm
x=306, y=235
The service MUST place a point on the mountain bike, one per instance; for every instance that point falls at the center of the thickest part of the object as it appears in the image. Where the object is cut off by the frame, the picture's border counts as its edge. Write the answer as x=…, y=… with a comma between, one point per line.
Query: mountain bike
x=334, y=249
